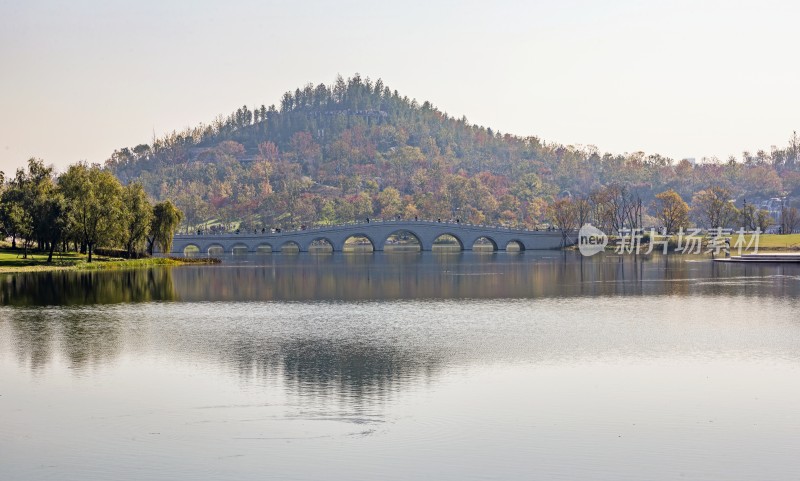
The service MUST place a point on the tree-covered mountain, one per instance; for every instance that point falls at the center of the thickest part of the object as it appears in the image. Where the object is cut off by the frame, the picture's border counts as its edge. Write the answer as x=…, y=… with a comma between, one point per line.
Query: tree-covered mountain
x=358, y=149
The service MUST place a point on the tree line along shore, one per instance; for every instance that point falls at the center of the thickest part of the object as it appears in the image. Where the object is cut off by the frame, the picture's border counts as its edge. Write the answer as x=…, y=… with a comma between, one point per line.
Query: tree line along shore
x=68, y=217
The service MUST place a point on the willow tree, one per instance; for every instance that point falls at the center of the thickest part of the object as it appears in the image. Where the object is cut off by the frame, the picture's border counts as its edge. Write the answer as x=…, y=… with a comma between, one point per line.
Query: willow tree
x=166, y=218
x=94, y=200
x=137, y=217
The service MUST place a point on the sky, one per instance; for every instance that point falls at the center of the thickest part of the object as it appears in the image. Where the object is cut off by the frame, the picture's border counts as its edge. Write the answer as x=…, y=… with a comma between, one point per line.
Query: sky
x=81, y=78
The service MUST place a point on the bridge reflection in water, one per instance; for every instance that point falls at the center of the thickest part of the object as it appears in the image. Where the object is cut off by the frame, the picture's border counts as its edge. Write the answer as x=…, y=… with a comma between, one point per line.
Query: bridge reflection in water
x=375, y=234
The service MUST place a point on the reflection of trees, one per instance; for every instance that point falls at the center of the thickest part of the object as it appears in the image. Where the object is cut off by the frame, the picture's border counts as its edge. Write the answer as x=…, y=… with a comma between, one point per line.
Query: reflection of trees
x=350, y=369
x=78, y=288
x=32, y=337
x=358, y=371
x=333, y=362
x=438, y=276
x=89, y=339
x=83, y=337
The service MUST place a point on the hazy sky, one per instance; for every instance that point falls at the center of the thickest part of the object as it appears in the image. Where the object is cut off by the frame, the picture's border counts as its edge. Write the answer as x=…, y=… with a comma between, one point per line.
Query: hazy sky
x=80, y=78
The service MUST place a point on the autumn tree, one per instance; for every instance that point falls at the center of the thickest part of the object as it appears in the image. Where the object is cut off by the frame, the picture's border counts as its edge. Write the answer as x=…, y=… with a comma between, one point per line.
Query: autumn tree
x=362, y=205
x=671, y=211
x=714, y=208
x=262, y=166
x=389, y=202
x=527, y=187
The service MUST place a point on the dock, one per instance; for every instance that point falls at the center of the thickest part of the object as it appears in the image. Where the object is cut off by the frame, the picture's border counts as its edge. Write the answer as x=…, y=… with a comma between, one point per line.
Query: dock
x=761, y=258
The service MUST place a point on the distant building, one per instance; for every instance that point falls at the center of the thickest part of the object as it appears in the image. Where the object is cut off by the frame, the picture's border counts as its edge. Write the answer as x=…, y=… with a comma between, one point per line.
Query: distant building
x=691, y=160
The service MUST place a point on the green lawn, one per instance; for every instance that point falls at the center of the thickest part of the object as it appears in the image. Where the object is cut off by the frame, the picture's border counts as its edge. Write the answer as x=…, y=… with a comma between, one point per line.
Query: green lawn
x=12, y=261
x=787, y=242
x=13, y=258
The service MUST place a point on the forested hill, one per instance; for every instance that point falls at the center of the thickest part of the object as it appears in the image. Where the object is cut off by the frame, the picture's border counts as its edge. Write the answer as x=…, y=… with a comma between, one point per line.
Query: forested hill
x=357, y=149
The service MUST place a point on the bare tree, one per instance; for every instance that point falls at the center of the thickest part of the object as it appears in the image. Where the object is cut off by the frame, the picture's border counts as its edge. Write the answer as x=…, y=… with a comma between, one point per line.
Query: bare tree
x=564, y=214
x=790, y=220
x=714, y=208
x=584, y=210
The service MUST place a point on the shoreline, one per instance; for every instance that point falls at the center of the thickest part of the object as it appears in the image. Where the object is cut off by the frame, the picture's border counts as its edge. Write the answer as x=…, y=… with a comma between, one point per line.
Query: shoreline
x=11, y=262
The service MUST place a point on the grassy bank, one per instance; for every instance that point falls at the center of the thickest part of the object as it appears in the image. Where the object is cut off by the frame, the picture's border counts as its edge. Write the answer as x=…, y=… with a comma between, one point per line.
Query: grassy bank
x=12, y=261
x=776, y=242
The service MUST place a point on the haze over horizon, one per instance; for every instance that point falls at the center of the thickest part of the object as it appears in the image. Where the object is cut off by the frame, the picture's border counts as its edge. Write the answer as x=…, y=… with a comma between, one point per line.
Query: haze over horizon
x=683, y=80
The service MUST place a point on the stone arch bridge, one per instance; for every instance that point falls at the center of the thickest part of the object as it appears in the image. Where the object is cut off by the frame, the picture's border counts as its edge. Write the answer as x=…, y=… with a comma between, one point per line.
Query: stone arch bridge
x=377, y=232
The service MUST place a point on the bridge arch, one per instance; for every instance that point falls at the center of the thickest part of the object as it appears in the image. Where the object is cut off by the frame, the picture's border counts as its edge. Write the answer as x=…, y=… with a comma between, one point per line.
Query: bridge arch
x=191, y=250
x=520, y=246
x=290, y=247
x=484, y=243
x=240, y=249
x=369, y=239
x=215, y=250
x=447, y=235
x=264, y=248
x=402, y=239
x=320, y=245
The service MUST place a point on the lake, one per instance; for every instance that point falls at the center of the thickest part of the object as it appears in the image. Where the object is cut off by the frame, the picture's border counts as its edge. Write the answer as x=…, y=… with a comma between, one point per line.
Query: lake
x=447, y=366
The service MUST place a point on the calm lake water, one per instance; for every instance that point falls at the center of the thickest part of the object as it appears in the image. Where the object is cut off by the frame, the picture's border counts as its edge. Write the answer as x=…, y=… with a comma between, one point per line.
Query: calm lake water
x=403, y=366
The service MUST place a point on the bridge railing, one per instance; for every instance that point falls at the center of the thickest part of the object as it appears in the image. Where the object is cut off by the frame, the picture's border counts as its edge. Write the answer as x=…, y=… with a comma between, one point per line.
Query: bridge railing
x=365, y=223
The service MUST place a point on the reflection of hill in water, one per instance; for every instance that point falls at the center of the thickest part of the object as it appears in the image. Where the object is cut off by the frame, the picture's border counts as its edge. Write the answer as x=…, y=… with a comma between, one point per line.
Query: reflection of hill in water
x=433, y=276
x=358, y=370
x=69, y=288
